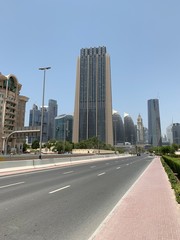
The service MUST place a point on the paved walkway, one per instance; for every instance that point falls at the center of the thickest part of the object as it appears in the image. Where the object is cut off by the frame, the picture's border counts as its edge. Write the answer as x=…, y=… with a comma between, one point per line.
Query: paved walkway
x=148, y=211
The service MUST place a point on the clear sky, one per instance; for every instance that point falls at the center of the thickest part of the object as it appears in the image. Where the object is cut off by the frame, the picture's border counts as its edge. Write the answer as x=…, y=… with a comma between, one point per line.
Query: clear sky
x=142, y=38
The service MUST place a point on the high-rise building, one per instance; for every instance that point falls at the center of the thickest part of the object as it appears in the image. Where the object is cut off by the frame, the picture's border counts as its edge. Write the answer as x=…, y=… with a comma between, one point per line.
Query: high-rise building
x=49, y=114
x=12, y=110
x=35, y=121
x=93, y=99
x=63, y=127
x=52, y=113
x=173, y=133
x=140, y=130
x=129, y=129
x=118, y=128
x=154, y=124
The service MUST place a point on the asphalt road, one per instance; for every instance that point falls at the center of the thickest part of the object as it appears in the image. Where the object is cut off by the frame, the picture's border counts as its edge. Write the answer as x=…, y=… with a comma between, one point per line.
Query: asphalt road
x=64, y=203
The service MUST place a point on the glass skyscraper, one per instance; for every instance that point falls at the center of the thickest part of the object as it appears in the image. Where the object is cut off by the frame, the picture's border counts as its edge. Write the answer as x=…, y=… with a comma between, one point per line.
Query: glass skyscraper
x=118, y=128
x=63, y=127
x=93, y=99
x=154, y=124
x=129, y=129
x=52, y=113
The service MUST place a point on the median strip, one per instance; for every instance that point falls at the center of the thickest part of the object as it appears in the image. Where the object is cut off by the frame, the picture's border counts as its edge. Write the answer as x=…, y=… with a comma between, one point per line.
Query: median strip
x=10, y=185
x=57, y=190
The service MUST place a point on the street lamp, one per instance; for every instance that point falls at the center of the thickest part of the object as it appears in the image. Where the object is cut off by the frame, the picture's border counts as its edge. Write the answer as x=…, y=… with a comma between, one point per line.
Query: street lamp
x=42, y=109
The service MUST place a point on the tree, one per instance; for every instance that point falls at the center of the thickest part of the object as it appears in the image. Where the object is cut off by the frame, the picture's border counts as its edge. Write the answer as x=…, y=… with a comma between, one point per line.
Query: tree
x=35, y=144
x=25, y=146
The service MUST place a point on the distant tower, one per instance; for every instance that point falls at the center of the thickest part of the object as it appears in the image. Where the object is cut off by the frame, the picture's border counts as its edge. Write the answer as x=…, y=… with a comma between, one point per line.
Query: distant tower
x=173, y=133
x=52, y=113
x=93, y=100
x=35, y=120
x=129, y=129
x=140, y=130
x=63, y=127
x=118, y=128
x=154, y=124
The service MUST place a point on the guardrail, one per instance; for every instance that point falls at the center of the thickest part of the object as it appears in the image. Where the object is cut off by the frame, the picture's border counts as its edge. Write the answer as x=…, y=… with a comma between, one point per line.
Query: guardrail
x=38, y=163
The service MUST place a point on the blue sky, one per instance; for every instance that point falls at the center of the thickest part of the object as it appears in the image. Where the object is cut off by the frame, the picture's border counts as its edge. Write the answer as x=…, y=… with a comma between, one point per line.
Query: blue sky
x=142, y=38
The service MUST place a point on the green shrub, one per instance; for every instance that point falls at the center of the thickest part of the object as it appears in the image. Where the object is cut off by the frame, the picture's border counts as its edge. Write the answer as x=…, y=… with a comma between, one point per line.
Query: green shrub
x=175, y=183
x=174, y=164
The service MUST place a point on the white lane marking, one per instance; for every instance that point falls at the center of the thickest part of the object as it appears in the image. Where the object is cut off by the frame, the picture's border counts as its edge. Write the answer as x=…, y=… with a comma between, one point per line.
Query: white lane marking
x=100, y=174
x=93, y=166
x=10, y=185
x=127, y=164
x=68, y=172
x=118, y=167
x=59, y=189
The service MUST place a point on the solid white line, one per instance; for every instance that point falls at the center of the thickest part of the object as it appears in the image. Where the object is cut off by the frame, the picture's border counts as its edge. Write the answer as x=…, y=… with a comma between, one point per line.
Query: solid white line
x=118, y=167
x=57, y=190
x=101, y=174
x=68, y=172
x=13, y=184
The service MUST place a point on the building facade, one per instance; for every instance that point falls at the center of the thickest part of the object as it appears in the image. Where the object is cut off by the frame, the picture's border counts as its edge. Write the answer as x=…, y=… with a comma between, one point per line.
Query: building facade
x=93, y=98
x=12, y=110
x=49, y=114
x=35, y=121
x=52, y=113
x=118, y=129
x=154, y=124
x=140, y=130
x=129, y=129
x=63, y=127
x=173, y=133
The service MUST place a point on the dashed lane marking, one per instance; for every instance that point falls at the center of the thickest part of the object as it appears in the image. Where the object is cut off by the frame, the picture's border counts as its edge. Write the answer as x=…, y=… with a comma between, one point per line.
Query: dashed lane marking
x=68, y=172
x=100, y=174
x=10, y=185
x=60, y=189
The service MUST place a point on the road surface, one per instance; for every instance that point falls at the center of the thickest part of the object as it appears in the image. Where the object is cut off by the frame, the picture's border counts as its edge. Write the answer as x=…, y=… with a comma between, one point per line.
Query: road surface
x=66, y=203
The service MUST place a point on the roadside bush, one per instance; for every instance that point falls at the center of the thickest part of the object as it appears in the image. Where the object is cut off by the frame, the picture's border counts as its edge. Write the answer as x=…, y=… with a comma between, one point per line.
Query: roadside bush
x=174, y=164
x=175, y=183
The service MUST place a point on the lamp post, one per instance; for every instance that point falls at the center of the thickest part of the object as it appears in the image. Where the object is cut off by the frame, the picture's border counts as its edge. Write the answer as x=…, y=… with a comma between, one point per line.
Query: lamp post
x=42, y=109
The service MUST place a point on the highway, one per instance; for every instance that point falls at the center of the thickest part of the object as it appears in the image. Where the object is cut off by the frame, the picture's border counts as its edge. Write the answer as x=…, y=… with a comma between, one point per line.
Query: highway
x=66, y=203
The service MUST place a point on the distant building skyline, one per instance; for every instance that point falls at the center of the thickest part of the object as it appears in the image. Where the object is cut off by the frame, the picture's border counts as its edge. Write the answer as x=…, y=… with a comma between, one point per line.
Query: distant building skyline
x=50, y=112
x=93, y=97
x=63, y=127
x=154, y=123
x=129, y=129
x=173, y=133
x=140, y=130
x=118, y=128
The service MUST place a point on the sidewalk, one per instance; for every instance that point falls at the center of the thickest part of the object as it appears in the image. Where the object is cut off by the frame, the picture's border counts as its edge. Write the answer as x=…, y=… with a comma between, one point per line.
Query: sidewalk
x=148, y=211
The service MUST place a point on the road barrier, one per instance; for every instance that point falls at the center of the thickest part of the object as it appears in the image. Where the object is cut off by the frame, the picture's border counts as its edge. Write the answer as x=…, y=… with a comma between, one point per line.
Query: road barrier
x=41, y=163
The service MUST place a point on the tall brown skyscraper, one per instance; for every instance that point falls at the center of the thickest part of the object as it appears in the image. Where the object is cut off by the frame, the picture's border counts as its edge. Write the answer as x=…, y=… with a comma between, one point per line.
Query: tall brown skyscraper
x=93, y=99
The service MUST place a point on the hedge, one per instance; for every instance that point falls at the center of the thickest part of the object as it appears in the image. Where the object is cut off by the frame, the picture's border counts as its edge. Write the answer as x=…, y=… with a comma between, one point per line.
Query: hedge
x=174, y=164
